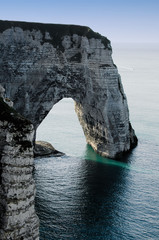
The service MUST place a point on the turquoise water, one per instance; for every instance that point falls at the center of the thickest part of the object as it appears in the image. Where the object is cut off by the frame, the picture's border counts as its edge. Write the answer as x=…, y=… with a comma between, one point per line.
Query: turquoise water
x=84, y=196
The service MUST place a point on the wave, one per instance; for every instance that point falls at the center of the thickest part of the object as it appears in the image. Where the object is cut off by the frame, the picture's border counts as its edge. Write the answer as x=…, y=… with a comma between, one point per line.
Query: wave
x=125, y=68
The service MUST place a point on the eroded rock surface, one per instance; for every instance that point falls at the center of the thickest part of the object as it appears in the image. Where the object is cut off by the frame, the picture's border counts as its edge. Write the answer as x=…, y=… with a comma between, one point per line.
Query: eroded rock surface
x=42, y=63
x=45, y=149
x=18, y=219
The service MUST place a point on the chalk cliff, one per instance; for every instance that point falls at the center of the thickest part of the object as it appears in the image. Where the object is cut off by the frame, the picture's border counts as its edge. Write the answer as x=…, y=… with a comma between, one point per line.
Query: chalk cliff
x=18, y=219
x=42, y=63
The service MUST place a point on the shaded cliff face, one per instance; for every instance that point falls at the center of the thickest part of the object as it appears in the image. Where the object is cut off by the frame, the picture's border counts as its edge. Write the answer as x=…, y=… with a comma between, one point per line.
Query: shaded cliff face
x=18, y=219
x=42, y=63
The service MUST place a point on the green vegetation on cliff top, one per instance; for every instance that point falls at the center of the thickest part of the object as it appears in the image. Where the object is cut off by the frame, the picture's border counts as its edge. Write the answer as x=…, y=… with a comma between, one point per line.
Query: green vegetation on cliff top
x=57, y=31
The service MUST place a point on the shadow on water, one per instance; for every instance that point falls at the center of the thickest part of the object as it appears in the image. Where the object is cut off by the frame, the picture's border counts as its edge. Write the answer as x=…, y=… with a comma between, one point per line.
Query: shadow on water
x=103, y=183
x=87, y=205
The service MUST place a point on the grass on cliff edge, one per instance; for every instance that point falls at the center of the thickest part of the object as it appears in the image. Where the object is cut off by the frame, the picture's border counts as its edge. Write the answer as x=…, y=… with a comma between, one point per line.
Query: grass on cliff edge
x=57, y=31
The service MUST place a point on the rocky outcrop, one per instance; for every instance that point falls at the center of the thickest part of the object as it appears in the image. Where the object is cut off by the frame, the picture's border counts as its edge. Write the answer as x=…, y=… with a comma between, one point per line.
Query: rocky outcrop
x=18, y=219
x=42, y=63
x=45, y=149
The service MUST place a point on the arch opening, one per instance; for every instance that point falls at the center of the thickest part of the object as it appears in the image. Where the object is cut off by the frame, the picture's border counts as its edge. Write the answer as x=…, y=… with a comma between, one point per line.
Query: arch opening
x=62, y=129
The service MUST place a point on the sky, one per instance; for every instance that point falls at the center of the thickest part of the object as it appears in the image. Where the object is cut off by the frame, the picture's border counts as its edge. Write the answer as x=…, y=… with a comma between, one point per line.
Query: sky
x=118, y=20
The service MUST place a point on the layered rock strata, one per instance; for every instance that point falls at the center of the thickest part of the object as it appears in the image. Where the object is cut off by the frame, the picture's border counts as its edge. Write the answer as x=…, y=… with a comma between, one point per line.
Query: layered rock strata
x=18, y=219
x=42, y=63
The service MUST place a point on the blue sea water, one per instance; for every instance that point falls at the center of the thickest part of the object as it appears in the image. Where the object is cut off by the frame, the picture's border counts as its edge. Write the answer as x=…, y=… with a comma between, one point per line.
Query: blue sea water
x=86, y=197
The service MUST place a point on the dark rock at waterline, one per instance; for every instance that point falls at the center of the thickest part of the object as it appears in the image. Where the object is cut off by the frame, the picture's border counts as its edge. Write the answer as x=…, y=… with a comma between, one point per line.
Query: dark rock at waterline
x=45, y=149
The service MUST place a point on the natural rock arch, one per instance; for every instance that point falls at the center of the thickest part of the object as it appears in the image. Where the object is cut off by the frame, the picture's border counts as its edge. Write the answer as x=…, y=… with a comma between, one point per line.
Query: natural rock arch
x=42, y=63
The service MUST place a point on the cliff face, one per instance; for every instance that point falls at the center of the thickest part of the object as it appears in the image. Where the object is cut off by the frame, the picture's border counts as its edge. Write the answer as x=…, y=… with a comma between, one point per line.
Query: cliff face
x=18, y=219
x=42, y=63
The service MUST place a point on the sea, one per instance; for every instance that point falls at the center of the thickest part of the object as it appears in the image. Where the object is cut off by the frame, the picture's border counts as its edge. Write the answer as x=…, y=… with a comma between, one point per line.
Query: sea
x=84, y=196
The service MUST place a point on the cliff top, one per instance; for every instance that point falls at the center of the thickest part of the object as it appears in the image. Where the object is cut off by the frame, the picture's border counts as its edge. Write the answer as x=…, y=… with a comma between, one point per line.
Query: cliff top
x=57, y=31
